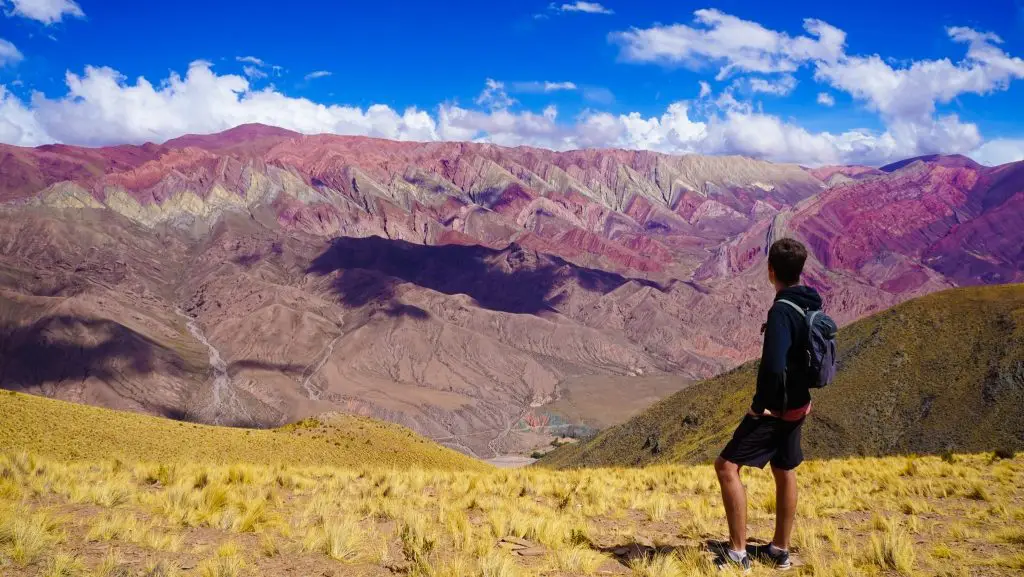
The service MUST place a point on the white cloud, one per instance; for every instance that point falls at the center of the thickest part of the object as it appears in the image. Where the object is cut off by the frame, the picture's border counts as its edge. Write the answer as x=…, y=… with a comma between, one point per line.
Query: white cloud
x=541, y=87
x=705, y=89
x=586, y=7
x=45, y=11
x=250, y=60
x=556, y=86
x=999, y=151
x=102, y=107
x=494, y=96
x=911, y=92
x=734, y=44
x=781, y=86
x=904, y=95
x=9, y=53
x=826, y=99
x=253, y=73
x=18, y=124
x=317, y=74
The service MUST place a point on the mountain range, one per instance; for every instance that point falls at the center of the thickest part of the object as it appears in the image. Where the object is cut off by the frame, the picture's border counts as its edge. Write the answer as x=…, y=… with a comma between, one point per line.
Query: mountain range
x=258, y=276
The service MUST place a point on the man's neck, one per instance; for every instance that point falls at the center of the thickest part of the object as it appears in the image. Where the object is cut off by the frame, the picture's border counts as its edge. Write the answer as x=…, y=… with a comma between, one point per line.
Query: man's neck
x=779, y=287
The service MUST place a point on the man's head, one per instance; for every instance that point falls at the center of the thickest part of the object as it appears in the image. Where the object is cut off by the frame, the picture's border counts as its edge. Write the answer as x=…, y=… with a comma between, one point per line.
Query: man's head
x=786, y=260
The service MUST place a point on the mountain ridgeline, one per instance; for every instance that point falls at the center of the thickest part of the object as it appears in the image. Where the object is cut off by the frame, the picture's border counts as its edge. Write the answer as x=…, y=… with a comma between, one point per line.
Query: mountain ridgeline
x=940, y=373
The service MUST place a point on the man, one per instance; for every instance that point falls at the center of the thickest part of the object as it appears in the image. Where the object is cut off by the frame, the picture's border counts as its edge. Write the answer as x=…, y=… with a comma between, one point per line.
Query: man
x=770, y=432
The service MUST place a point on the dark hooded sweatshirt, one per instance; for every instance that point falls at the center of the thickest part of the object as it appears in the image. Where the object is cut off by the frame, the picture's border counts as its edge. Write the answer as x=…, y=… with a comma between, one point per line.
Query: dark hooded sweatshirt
x=782, y=377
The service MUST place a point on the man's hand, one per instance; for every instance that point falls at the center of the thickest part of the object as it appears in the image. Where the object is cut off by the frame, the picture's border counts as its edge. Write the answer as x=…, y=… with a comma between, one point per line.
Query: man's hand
x=766, y=413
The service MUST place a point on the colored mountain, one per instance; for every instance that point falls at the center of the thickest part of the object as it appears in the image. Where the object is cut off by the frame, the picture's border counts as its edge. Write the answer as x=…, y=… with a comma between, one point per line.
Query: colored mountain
x=258, y=276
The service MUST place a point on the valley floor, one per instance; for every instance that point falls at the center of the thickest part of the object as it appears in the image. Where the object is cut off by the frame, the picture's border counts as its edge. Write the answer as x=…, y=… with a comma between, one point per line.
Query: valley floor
x=957, y=516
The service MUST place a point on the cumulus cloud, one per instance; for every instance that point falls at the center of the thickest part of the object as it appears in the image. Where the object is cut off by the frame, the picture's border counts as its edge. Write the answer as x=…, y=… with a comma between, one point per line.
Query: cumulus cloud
x=999, y=151
x=18, y=123
x=45, y=11
x=904, y=95
x=103, y=107
x=9, y=53
x=317, y=74
x=911, y=92
x=585, y=7
x=733, y=44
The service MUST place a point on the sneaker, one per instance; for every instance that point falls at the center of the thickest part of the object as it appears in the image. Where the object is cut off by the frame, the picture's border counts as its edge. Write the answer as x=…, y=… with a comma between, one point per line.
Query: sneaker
x=724, y=561
x=773, y=556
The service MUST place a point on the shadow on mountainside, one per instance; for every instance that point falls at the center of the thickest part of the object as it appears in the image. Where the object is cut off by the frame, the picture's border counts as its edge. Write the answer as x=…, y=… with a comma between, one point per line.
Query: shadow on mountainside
x=63, y=351
x=64, y=348
x=511, y=280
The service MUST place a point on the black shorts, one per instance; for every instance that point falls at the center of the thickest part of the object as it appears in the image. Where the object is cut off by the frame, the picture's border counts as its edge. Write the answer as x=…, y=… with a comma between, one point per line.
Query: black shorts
x=760, y=440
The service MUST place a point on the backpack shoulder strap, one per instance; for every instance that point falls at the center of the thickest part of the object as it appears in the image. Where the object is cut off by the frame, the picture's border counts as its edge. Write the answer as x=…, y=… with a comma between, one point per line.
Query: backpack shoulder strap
x=798, y=308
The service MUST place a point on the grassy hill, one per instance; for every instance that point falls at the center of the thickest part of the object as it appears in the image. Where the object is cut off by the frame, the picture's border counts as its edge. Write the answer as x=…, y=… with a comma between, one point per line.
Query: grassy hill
x=70, y=431
x=941, y=373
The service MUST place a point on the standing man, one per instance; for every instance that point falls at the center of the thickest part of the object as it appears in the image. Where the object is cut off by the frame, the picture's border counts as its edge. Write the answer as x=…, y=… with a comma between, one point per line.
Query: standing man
x=770, y=432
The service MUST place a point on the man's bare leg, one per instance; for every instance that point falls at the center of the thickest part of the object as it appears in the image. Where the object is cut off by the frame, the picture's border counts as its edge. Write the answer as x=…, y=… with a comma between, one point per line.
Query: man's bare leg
x=734, y=497
x=785, y=506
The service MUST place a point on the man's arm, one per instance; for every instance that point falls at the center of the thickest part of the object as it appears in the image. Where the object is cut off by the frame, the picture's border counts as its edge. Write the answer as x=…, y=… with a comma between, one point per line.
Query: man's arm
x=772, y=373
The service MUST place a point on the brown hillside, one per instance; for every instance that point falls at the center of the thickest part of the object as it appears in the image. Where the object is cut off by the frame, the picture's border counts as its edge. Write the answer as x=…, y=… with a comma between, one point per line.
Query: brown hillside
x=943, y=372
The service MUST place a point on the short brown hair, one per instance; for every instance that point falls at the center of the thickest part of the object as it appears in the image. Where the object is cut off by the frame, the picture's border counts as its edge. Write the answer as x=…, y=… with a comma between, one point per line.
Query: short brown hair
x=787, y=257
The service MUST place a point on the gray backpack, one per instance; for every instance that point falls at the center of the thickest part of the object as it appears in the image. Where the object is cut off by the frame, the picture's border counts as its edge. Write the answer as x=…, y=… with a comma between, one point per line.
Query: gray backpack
x=820, y=346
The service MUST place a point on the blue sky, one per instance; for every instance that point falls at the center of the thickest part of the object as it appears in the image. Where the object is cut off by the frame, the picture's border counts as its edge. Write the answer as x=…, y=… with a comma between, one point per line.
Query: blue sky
x=571, y=74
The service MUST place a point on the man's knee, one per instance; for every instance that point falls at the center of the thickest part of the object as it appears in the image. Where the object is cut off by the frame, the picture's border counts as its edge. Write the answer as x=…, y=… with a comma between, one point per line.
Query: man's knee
x=726, y=469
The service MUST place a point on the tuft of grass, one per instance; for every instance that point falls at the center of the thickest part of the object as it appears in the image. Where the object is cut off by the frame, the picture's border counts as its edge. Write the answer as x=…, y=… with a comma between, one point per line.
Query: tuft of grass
x=1011, y=535
x=978, y=492
x=893, y=550
x=943, y=551
x=26, y=536
x=64, y=564
x=1011, y=561
x=499, y=564
x=578, y=560
x=342, y=540
x=656, y=566
x=227, y=562
x=269, y=546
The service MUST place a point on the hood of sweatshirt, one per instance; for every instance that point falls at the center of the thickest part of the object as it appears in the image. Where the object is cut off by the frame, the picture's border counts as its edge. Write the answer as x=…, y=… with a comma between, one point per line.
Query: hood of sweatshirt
x=805, y=296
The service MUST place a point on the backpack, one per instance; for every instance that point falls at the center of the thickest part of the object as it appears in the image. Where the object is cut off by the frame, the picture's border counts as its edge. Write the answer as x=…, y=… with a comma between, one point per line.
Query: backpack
x=820, y=346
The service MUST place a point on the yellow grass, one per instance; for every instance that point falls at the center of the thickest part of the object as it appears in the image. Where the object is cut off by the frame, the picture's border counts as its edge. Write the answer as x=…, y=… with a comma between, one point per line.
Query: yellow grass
x=77, y=432
x=858, y=518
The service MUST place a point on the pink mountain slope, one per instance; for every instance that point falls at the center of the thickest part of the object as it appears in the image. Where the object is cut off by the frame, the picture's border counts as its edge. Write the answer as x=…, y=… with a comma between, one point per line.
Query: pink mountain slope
x=467, y=290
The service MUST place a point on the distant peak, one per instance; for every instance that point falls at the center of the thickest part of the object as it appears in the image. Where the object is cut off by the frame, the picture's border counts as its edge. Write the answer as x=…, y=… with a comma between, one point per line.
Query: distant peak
x=946, y=160
x=238, y=135
x=257, y=129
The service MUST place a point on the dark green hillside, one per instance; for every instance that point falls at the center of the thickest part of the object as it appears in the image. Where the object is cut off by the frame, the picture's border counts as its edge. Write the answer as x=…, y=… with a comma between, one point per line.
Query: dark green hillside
x=943, y=372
